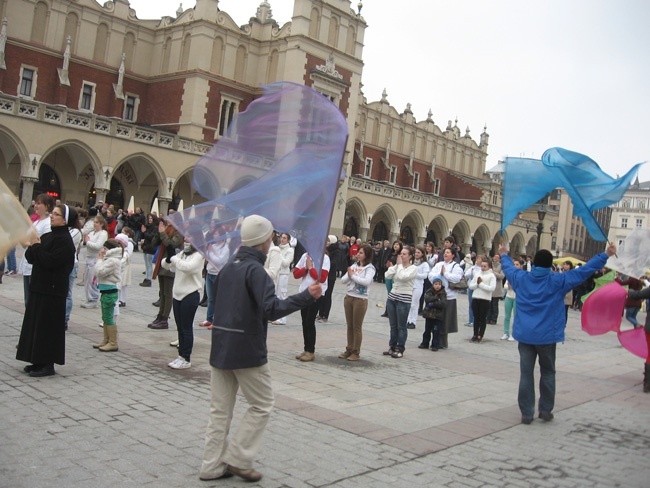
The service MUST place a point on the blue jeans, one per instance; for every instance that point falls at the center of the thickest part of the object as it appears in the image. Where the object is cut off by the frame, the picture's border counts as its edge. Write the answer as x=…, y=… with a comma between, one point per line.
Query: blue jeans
x=68, y=300
x=630, y=315
x=148, y=266
x=11, y=260
x=184, y=312
x=210, y=280
x=469, y=301
x=528, y=353
x=398, y=313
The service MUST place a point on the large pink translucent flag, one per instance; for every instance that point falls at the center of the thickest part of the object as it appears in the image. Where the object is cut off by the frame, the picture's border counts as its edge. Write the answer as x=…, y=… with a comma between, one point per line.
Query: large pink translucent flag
x=281, y=158
x=602, y=312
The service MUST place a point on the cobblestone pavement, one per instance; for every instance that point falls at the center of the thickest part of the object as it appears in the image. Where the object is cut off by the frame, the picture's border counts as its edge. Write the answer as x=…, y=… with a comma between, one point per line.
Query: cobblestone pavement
x=446, y=418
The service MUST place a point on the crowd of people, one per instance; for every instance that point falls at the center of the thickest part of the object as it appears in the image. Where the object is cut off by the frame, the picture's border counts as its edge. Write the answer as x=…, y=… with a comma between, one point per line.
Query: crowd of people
x=421, y=281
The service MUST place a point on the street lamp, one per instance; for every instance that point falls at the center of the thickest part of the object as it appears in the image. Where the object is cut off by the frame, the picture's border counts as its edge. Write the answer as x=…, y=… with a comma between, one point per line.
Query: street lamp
x=541, y=213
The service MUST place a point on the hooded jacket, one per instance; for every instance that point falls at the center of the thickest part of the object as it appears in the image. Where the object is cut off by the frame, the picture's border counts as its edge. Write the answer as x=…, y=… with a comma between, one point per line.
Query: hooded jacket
x=540, y=318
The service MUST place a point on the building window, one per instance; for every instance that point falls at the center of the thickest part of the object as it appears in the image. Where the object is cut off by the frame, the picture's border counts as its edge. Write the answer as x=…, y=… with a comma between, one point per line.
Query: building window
x=393, y=175
x=639, y=223
x=87, y=98
x=436, y=187
x=626, y=203
x=131, y=108
x=624, y=222
x=229, y=107
x=553, y=243
x=27, y=87
x=416, y=181
x=641, y=204
x=572, y=228
x=367, y=169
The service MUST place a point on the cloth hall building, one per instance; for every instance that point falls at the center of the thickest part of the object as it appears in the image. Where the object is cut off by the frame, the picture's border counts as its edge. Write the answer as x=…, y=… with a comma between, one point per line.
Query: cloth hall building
x=97, y=104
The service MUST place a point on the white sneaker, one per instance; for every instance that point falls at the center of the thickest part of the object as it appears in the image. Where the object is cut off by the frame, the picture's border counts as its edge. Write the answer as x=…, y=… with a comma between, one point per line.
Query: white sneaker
x=89, y=305
x=181, y=364
x=505, y=337
x=511, y=339
x=174, y=343
x=175, y=361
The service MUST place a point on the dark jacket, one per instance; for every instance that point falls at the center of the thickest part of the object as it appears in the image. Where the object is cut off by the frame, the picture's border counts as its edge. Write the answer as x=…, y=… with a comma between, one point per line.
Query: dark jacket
x=53, y=260
x=168, y=243
x=639, y=295
x=245, y=298
x=435, y=303
x=152, y=230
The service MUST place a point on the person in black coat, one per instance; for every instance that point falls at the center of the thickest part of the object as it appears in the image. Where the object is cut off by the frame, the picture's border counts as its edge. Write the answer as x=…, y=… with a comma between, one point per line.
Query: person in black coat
x=42, y=337
x=326, y=303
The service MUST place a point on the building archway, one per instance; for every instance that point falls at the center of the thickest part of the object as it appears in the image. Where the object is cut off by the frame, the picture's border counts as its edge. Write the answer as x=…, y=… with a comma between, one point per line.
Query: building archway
x=380, y=232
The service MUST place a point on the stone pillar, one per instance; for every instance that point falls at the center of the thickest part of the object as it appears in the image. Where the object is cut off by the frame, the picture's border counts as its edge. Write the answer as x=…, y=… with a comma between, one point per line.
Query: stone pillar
x=28, y=191
x=100, y=194
x=363, y=233
x=466, y=247
x=163, y=205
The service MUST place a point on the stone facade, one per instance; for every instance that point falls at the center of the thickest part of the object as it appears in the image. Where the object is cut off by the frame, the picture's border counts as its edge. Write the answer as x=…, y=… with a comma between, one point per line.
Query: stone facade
x=99, y=104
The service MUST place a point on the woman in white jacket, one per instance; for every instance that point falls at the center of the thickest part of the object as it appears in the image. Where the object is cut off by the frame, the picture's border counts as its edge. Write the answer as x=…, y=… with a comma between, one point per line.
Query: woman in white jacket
x=418, y=285
x=282, y=283
x=358, y=278
x=482, y=284
x=186, y=293
x=94, y=243
x=398, y=304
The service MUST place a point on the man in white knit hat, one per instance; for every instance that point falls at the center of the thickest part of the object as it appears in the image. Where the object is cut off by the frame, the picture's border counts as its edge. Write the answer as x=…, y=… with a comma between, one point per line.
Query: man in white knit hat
x=246, y=301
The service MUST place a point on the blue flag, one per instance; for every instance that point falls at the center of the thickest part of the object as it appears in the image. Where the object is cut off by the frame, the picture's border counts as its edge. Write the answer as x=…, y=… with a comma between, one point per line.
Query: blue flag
x=528, y=180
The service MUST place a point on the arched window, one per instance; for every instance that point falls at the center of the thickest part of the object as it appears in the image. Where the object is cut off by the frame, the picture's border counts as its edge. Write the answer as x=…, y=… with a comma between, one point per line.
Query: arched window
x=217, y=55
x=101, y=41
x=351, y=227
x=128, y=48
x=272, y=71
x=333, y=35
x=406, y=235
x=41, y=14
x=380, y=232
x=351, y=41
x=185, y=51
x=314, y=24
x=70, y=29
x=240, y=64
x=167, y=52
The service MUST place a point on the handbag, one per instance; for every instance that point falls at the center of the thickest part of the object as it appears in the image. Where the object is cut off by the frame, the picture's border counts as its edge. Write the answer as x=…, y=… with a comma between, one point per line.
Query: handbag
x=461, y=285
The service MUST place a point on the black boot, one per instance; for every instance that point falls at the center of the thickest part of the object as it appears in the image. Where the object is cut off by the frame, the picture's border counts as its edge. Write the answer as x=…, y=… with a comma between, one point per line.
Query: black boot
x=45, y=370
x=646, y=378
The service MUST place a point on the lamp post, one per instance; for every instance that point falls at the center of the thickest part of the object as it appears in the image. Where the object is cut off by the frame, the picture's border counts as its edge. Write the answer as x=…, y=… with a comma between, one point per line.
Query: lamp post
x=541, y=213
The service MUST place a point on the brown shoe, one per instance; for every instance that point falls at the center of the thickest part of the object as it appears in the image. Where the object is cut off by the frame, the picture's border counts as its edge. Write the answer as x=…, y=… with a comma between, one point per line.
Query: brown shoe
x=353, y=357
x=163, y=324
x=245, y=474
x=298, y=356
x=308, y=356
x=345, y=355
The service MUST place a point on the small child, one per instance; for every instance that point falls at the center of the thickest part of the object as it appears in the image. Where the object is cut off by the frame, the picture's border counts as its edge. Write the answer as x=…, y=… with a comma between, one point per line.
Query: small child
x=108, y=271
x=435, y=300
x=126, y=239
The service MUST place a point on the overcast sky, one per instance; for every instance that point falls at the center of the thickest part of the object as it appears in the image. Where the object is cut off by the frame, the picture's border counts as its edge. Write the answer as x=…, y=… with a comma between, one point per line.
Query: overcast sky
x=569, y=73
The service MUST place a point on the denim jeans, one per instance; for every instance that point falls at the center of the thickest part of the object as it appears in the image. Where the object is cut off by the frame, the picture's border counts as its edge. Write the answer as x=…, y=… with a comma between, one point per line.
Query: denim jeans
x=630, y=315
x=184, y=312
x=11, y=260
x=148, y=266
x=68, y=300
x=398, y=313
x=210, y=280
x=528, y=354
x=470, y=293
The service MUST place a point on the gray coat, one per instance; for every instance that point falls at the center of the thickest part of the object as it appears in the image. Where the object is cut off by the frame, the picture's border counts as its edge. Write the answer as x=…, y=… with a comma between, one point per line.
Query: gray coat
x=244, y=303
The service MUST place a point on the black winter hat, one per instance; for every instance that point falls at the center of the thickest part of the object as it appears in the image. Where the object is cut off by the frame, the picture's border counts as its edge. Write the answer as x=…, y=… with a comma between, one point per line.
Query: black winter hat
x=543, y=259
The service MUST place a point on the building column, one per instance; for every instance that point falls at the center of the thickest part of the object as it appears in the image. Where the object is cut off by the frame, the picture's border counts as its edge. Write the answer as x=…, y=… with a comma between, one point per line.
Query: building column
x=100, y=194
x=363, y=233
x=467, y=247
x=28, y=191
x=163, y=205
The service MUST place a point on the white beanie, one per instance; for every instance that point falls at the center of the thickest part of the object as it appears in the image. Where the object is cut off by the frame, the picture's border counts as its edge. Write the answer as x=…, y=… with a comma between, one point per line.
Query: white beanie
x=332, y=239
x=123, y=238
x=255, y=230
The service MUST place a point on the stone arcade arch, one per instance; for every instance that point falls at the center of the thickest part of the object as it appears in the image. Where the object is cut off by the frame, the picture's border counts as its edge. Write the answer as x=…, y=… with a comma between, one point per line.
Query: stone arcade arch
x=386, y=215
x=462, y=235
x=412, y=227
x=142, y=177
